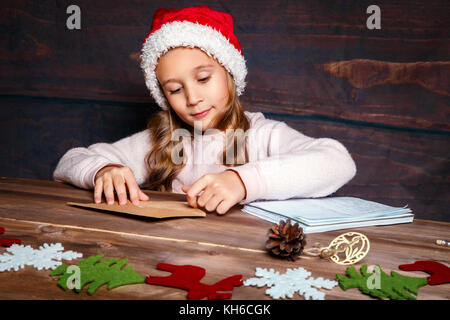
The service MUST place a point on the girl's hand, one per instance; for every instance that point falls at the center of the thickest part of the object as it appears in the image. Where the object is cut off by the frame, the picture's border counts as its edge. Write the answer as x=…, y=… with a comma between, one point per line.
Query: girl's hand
x=115, y=177
x=221, y=191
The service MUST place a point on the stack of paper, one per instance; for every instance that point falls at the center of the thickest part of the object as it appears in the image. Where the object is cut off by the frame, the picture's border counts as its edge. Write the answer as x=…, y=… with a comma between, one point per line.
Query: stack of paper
x=326, y=214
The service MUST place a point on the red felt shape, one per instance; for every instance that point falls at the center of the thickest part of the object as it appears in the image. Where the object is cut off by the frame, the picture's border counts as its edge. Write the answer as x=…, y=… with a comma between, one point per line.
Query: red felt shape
x=440, y=273
x=7, y=242
x=188, y=277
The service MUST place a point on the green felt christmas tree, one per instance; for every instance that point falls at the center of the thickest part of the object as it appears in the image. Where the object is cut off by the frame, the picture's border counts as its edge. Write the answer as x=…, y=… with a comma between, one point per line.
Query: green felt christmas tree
x=380, y=285
x=97, y=274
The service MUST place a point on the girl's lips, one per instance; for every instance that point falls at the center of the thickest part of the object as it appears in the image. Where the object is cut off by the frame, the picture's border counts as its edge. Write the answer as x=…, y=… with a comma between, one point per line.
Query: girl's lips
x=202, y=114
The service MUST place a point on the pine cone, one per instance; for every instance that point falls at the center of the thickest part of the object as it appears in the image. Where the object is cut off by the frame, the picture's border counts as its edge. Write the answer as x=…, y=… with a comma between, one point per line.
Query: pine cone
x=285, y=240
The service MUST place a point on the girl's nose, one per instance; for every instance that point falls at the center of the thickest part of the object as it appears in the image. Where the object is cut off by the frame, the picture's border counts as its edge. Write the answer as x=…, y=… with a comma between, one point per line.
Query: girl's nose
x=193, y=96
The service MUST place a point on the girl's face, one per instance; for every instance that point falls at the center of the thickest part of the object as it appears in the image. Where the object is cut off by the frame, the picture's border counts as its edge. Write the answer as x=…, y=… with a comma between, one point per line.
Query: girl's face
x=194, y=84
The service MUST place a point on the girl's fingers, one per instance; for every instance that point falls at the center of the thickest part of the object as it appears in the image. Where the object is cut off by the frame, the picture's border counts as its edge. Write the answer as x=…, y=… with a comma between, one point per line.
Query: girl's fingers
x=119, y=185
x=118, y=180
x=213, y=203
x=223, y=207
x=205, y=197
x=133, y=188
x=98, y=190
x=143, y=196
x=108, y=189
x=194, y=190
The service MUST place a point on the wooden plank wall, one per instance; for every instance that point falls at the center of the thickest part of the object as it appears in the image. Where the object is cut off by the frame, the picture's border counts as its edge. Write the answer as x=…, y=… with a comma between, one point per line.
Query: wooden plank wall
x=314, y=64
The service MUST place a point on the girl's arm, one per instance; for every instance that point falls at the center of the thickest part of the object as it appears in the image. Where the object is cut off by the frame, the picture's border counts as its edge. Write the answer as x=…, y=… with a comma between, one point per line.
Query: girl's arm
x=287, y=164
x=79, y=166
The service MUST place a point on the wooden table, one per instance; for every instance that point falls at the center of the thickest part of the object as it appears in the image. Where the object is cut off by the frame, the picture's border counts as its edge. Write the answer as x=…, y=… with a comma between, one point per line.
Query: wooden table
x=35, y=211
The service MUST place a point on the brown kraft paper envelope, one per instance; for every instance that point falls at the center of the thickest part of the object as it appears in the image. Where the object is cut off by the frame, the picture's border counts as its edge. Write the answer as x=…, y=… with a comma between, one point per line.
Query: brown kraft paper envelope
x=150, y=208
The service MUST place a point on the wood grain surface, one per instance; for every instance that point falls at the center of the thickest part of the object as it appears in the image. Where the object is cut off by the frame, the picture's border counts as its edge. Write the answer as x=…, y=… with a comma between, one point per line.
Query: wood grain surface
x=35, y=211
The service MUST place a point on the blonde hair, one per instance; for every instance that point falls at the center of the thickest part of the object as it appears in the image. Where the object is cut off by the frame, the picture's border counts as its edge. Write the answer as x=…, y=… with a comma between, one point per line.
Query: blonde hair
x=162, y=170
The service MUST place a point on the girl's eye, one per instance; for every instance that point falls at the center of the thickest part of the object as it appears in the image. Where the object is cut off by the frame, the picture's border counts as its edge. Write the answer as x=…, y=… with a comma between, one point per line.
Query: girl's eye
x=201, y=80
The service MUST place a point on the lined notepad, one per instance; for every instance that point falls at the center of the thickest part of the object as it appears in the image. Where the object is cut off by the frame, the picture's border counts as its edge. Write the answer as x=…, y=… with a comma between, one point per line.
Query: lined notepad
x=333, y=213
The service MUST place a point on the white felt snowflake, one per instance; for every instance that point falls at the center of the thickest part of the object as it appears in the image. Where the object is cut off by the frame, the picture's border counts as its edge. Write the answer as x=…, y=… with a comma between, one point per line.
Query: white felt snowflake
x=285, y=285
x=46, y=257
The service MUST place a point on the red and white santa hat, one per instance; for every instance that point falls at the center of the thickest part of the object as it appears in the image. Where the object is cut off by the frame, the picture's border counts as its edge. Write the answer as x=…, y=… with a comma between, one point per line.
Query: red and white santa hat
x=201, y=27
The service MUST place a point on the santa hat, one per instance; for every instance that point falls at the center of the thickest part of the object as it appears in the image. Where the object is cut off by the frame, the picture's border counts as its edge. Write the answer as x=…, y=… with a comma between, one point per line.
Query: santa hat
x=201, y=27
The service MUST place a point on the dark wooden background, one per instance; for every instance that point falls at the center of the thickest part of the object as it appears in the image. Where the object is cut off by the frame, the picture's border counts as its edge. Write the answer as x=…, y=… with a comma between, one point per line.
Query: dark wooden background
x=384, y=93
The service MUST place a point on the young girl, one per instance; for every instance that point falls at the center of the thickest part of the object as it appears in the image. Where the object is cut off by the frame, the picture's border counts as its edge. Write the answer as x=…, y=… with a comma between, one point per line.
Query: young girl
x=195, y=70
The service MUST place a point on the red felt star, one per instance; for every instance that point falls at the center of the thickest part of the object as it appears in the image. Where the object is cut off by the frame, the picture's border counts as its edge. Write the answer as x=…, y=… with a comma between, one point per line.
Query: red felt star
x=7, y=242
x=188, y=277
x=439, y=273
